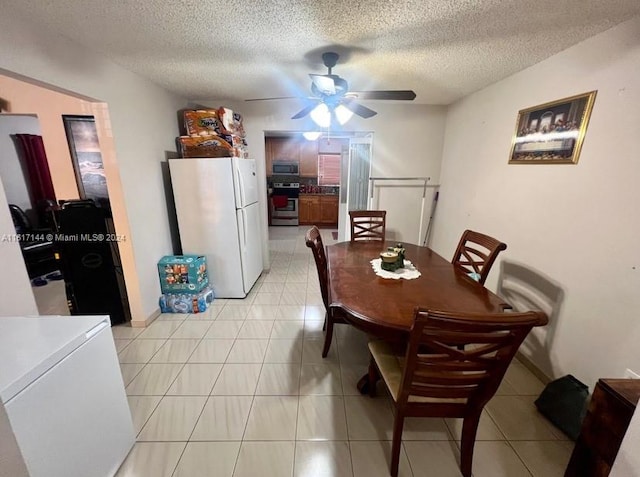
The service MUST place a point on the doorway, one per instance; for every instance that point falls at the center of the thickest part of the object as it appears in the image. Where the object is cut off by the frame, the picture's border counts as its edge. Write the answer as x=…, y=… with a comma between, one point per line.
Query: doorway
x=335, y=167
x=355, y=174
x=47, y=107
x=29, y=194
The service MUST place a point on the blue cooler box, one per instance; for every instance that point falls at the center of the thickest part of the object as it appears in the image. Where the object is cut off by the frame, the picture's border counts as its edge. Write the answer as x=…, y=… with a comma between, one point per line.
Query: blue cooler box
x=186, y=303
x=183, y=274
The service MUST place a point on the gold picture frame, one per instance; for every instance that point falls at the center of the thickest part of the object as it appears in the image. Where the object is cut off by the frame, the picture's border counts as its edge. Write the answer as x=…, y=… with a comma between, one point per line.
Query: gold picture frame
x=552, y=133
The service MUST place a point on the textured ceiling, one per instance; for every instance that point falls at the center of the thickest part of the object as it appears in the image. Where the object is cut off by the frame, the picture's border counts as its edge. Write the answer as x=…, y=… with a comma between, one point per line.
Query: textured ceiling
x=240, y=49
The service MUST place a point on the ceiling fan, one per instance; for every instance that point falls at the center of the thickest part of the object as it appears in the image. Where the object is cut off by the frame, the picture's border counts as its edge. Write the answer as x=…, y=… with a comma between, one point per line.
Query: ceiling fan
x=332, y=91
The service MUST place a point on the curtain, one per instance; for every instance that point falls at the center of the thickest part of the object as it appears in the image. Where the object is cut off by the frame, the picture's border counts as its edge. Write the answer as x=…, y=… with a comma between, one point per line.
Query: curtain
x=35, y=157
x=329, y=169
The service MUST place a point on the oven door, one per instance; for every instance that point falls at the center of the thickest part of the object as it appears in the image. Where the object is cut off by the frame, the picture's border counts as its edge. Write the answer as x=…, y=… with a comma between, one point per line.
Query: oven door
x=289, y=210
x=285, y=214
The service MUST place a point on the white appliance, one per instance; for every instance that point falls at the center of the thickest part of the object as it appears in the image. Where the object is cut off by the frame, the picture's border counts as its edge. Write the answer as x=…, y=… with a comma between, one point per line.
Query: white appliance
x=62, y=389
x=218, y=216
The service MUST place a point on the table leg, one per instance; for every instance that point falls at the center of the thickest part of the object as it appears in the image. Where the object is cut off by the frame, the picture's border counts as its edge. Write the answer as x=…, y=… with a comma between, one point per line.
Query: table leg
x=363, y=384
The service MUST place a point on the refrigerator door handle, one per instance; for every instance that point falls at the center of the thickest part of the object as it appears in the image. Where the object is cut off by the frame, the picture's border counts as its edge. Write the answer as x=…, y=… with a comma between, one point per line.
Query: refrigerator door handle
x=241, y=199
x=244, y=227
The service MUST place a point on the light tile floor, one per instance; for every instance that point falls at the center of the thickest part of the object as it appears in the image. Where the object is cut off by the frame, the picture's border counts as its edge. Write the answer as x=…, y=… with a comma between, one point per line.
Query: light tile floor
x=242, y=390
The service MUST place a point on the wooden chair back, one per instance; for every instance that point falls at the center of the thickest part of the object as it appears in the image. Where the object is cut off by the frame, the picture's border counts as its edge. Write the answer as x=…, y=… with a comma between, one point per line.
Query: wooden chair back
x=453, y=365
x=368, y=225
x=455, y=361
x=476, y=253
x=313, y=240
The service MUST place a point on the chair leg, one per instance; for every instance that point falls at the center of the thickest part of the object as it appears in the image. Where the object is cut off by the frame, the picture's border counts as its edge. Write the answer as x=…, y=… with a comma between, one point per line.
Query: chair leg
x=374, y=377
x=328, y=335
x=398, y=424
x=324, y=325
x=469, y=430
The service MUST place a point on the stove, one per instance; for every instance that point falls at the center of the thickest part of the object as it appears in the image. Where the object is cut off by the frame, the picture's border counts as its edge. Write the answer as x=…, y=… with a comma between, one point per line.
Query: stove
x=284, y=203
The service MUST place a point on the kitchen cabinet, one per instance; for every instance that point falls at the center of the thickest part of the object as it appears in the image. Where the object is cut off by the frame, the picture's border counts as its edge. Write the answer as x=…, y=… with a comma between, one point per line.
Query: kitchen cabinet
x=329, y=209
x=293, y=149
x=281, y=149
x=268, y=156
x=308, y=209
x=318, y=209
x=309, y=159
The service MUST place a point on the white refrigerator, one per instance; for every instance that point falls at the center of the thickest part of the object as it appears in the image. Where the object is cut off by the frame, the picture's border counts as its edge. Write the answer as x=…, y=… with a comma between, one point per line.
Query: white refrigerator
x=216, y=203
x=62, y=390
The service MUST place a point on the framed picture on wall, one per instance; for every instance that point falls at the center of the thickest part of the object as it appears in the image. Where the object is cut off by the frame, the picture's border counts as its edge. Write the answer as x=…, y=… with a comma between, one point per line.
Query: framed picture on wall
x=552, y=133
x=84, y=147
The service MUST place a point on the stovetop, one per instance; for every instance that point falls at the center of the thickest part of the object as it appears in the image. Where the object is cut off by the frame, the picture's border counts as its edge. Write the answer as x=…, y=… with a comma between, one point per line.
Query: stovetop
x=286, y=185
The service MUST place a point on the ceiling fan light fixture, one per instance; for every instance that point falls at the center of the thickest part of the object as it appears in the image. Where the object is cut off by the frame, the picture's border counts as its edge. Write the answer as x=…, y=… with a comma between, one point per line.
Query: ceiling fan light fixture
x=312, y=135
x=321, y=115
x=343, y=114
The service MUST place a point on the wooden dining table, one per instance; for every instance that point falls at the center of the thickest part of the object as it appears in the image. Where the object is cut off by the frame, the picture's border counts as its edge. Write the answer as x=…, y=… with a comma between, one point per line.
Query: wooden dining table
x=385, y=307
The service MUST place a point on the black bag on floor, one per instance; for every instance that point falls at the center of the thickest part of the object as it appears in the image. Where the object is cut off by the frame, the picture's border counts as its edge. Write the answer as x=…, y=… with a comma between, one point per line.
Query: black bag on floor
x=564, y=403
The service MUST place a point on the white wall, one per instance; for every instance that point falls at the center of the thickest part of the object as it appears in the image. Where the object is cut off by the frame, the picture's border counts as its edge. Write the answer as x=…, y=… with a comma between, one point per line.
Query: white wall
x=578, y=224
x=407, y=141
x=143, y=121
x=16, y=297
x=12, y=169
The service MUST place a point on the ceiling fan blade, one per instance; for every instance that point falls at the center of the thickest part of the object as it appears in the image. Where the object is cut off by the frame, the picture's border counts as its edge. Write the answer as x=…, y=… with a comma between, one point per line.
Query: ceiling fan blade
x=399, y=95
x=304, y=111
x=269, y=99
x=324, y=84
x=358, y=109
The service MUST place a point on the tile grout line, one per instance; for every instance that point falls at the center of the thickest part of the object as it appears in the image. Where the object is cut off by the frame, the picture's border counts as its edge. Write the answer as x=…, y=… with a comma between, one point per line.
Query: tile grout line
x=185, y=320
x=163, y=396
x=253, y=398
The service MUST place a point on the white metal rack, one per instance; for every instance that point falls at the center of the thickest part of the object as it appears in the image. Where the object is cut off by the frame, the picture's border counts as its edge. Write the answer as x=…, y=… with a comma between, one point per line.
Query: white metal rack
x=425, y=186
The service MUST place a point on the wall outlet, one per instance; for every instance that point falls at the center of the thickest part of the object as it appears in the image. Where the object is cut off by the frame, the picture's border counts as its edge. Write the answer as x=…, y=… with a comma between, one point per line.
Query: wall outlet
x=631, y=374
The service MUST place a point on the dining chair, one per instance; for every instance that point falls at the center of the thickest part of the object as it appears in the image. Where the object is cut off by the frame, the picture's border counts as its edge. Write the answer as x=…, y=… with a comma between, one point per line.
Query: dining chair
x=313, y=240
x=368, y=225
x=476, y=253
x=434, y=378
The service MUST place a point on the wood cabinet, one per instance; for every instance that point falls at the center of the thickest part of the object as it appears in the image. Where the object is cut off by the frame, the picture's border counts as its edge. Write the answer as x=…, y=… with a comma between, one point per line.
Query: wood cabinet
x=318, y=209
x=281, y=149
x=608, y=416
x=308, y=209
x=285, y=149
x=329, y=209
x=309, y=159
x=294, y=149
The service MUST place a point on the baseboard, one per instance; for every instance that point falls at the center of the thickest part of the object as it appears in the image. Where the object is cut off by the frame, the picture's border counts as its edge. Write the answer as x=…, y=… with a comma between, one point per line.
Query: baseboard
x=527, y=363
x=143, y=324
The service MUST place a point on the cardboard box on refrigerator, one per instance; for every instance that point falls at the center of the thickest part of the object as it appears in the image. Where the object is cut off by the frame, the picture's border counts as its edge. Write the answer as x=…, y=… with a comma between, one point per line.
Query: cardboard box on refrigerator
x=206, y=122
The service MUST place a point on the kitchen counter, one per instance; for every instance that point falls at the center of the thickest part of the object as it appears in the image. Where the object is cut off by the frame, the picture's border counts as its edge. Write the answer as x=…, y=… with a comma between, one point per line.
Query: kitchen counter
x=312, y=194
